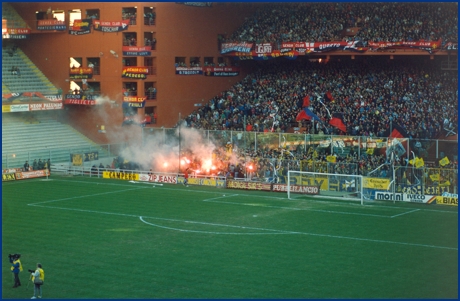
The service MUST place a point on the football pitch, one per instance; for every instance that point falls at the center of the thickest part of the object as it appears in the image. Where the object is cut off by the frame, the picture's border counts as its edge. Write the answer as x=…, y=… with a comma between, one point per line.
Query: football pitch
x=112, y=239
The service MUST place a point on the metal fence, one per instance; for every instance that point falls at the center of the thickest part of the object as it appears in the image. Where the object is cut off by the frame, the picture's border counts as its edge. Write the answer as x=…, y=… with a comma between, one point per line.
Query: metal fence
x=269, y=156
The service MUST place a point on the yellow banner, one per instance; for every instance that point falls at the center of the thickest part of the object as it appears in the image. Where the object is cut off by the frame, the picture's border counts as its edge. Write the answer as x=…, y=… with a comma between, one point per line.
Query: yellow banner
x=6, y=109
x=444, y=200
x=331, y=159
x=322, y=182
x=444, y=161
x=434, y=177
x=120, y=175
x=419, y=162
x=376, y=183
x=77, y=159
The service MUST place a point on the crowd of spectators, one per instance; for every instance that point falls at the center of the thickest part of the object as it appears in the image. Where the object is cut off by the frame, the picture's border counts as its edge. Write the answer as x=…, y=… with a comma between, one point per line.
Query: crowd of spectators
x=373, y=95
x=149, y=18
x=322, y=22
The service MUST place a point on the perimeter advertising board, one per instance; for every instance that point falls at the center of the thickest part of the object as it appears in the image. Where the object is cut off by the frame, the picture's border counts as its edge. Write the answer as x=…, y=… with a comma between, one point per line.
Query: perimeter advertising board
x=120, y=175
x=158, y=178
x=248, y=185
x=296, y=188
x=32, y=174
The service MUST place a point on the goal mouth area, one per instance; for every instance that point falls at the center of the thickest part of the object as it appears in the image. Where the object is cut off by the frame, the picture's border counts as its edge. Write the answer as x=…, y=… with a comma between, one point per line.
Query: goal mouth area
x=330, y=195
x=328, y=186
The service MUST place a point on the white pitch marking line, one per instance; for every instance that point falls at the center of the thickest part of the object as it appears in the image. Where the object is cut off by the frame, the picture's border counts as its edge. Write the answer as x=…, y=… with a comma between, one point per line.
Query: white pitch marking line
x=405, y=213
x=250, y=228
x=84, y=196
x=291, y=208
x=250, y=195
x=220, y=233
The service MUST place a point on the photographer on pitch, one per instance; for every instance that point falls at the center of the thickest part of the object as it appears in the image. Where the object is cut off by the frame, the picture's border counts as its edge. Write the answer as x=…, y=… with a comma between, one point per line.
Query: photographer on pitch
x=38, y=278
x=16, y=267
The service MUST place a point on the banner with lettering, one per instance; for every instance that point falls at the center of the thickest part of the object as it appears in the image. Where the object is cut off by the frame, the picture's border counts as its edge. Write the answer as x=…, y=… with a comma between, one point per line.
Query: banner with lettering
x=431, y=47
x=135, y=72
x=236, y=47
x=450, y=46
x=198, y=4
x=133, y=99
x=12, y=96
x=133, y=104
x=292, y=55
x=110, y=26
x=80, y=73
x=221, y=71
x=263, y=48
x=137, y=51
x=81, y=27
x=304, y=47
x=45, y=106
x=91, y=156
x=189, y=71
x=46, y=25
x=77, y=99
x=76, y=159
x=16, y=33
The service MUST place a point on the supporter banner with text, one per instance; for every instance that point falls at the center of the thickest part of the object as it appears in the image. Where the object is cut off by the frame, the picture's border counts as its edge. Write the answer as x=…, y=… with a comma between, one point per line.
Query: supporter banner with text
x=78, y=99
x=110, y=26
x=91, y=156
x=137, y=99
x=263, y=48
x=422, y=45
x=16, y=33
x=81, y=73
x=135, y=72
x=266, y=56
x=137, y=51
x=50, y=97
x=450, y=46
x=189, y=71
x=221, y=71
x=304, y=47
x=133, y=104
x=236, y=47
x=76, y=159
x=51, y=25
x=81, y=27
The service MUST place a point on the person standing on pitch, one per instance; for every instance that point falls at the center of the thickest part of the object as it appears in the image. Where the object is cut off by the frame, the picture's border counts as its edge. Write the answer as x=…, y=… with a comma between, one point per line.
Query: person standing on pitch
x=186, y=177
x=16, y=267
x=38, y=278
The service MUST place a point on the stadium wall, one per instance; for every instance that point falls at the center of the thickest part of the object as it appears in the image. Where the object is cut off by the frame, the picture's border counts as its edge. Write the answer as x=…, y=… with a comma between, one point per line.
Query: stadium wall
x=180, y=30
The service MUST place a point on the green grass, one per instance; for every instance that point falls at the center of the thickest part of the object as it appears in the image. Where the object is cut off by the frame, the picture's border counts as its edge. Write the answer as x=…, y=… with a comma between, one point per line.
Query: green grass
x=113, y=239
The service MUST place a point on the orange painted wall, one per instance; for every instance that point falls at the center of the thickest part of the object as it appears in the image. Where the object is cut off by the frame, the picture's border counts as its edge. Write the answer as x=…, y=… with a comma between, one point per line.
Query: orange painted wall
x=180, y=30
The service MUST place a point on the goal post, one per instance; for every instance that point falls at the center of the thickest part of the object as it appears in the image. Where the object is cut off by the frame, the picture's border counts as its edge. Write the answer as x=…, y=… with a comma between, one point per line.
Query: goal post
x=330, y=185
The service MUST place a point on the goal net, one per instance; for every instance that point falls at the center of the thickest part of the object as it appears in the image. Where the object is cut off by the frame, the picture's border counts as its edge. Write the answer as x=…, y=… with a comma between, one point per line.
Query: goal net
x=337, y=186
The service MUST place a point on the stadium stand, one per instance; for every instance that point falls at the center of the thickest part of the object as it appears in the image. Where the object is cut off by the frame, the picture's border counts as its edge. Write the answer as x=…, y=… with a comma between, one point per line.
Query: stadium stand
x=40, y=137
x=318, y=22
x=30, y=78
x=13, y=19
x=421, y=99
